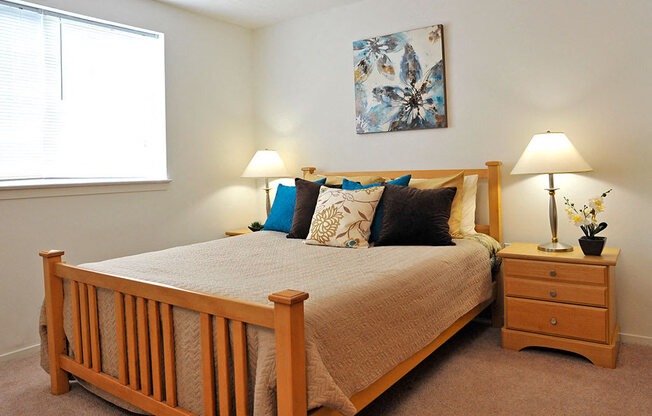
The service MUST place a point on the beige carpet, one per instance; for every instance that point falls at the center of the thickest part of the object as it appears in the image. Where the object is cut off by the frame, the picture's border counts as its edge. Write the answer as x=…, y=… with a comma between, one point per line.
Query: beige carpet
x=469, y=375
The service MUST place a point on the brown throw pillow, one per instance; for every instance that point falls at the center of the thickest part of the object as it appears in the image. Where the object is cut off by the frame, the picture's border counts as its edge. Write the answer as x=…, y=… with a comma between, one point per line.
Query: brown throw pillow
x=416, y=217
x=304, y=207
x=457, y=181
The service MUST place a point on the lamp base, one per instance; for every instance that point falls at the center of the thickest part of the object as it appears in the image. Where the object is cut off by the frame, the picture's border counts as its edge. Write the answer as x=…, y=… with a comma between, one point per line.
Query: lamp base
x=551, y=246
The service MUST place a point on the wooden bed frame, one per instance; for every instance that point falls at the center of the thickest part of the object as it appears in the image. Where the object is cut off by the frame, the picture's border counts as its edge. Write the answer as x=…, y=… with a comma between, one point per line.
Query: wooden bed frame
x=144, y=329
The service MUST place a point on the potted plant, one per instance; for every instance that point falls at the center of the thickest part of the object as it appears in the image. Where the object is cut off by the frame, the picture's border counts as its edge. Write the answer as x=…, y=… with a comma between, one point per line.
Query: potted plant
x=585, y=218
x=255, y=226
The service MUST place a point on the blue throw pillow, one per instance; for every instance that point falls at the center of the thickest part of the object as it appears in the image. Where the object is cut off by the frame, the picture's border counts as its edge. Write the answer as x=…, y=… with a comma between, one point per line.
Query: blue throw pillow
x=377, y=223
x=282, y=212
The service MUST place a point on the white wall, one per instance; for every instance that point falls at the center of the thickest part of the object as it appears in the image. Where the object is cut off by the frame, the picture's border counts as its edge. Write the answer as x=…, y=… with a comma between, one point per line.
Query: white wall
x=513, y=68
x=210, y=141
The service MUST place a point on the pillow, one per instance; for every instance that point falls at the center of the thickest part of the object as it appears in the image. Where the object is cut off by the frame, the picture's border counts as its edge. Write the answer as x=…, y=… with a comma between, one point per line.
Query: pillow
x=377, y=223
x=280, y=216
x=343, y=217
x=467, y=226
x=337, y=180
x=456, y=181
x=304, y=206
x=416, y=217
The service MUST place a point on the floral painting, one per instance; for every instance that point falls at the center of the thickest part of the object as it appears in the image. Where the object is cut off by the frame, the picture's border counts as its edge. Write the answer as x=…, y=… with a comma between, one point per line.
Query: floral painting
x=399, y=81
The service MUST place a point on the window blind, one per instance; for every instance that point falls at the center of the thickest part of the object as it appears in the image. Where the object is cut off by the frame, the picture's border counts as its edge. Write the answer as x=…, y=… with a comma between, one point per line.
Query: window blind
x=79, y=99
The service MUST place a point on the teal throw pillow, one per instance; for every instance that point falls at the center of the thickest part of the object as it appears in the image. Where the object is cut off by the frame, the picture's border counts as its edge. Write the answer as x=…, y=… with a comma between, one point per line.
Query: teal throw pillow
x=282, y=212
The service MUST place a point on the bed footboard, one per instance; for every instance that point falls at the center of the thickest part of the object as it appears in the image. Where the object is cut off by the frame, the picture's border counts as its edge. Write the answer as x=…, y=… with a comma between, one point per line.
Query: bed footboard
x=145, y=337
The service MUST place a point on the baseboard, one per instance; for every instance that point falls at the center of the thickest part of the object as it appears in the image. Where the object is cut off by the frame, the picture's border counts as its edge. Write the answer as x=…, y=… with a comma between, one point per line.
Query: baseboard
x=635, y=339
x=21, y=353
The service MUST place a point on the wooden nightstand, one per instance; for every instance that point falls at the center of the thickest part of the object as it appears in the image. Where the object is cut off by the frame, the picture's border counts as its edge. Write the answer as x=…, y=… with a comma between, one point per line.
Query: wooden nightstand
x=241, y=231
x=562, y=300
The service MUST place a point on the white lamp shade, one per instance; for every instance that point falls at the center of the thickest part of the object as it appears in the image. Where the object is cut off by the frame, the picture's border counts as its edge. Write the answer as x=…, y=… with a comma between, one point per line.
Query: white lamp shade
x=550, y=153
x=265, y=164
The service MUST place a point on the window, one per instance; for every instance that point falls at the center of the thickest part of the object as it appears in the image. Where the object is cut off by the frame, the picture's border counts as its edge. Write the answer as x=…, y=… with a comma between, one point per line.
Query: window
x=80, y=100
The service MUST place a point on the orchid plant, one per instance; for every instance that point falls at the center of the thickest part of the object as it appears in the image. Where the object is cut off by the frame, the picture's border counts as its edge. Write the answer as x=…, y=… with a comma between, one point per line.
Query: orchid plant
x=585, y=218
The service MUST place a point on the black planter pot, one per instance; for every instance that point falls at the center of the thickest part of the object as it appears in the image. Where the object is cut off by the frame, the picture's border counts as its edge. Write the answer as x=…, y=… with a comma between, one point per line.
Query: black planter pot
x=592, y=246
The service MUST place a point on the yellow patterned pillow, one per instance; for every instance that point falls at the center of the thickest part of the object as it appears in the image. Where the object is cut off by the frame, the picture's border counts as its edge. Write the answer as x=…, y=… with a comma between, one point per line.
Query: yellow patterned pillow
x=337, y=180
x=342, y=218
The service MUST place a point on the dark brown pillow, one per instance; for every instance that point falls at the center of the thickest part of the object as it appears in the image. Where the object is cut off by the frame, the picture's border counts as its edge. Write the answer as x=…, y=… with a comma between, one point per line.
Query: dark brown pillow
x=304, y=207
x=416, y=217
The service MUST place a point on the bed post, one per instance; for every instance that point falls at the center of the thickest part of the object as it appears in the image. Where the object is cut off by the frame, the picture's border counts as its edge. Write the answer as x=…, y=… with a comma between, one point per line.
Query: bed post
x=496, y=231
x=308, y=170
x=495, y=211
x=54, y=316
x=291, y=391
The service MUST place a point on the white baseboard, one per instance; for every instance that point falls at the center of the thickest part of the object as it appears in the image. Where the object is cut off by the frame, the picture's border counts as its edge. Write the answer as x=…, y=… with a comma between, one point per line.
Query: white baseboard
x=635, y=339
x=21, y=353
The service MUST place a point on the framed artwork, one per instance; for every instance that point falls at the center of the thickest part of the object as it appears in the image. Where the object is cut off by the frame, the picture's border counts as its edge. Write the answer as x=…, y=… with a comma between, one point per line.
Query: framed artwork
x=400, y=82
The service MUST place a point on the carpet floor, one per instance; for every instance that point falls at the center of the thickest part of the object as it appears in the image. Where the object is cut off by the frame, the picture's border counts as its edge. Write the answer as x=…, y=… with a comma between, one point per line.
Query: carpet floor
x=469, y=375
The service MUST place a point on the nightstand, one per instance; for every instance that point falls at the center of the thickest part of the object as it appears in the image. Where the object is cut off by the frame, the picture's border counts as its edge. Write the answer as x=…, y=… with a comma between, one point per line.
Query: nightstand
x=562, y=300
x=241, y=231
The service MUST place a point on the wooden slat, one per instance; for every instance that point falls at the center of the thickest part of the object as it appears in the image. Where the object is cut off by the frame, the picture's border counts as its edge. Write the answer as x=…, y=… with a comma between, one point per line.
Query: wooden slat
x=240, y=367
x=208, y=364
x=143, y=347
x=132, y=343
x=121, y=337
x=85, y=325
x=495, y=205
x=250, y=312
x=417, y=174
x=54, y=314
x=112, y=386
x=76, y=320
x=155, y=343
x=168, y=355
x=223, y=377
x=96, y=357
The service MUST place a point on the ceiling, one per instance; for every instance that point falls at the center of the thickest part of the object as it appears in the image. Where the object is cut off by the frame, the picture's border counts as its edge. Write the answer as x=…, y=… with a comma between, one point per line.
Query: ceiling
x=256, y=13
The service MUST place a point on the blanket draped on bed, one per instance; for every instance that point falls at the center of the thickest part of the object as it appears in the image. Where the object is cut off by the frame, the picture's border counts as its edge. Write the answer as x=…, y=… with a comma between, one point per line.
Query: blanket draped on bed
x=369, y=309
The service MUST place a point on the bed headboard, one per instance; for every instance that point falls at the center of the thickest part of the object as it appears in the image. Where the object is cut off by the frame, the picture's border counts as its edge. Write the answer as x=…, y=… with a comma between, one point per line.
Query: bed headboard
x=491, y=173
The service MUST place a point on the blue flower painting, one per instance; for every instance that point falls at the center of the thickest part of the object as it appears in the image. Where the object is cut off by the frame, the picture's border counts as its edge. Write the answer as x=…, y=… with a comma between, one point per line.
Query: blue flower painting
x=399, y=81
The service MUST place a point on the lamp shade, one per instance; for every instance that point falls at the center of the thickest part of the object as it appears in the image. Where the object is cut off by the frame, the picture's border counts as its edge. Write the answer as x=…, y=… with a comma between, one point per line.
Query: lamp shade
x=550, y=153
x=265, y=164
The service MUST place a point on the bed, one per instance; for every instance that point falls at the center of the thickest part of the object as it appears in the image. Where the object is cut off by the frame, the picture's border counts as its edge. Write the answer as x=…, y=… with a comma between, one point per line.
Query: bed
x=203, y=329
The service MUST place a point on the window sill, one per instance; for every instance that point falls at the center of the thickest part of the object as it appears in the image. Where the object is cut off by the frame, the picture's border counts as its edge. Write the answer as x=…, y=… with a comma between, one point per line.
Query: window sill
x=72, y=187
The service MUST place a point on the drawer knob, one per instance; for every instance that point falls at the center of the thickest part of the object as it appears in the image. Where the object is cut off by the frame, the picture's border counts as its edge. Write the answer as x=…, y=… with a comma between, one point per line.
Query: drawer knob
x=553, y=321
x=553, y=293
x=553, y=273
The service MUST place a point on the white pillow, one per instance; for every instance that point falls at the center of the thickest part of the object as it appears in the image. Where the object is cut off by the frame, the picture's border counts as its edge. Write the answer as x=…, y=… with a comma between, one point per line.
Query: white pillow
x=467, y=226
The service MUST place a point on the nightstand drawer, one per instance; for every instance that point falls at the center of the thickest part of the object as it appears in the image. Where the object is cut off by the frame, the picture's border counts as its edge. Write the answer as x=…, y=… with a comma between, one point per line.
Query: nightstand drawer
x=582, y=273
x=573, y=321
x=556, y=291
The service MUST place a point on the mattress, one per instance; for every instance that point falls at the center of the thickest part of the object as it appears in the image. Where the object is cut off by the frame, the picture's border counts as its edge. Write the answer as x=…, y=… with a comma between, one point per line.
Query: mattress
x=369, y=309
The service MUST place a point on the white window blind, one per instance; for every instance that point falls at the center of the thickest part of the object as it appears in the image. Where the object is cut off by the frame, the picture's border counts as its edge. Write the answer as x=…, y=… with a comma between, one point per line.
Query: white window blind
x=79, y=99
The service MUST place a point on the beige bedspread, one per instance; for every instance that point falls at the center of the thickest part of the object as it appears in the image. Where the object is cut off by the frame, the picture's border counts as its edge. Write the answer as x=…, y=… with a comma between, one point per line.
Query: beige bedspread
x=369, y=309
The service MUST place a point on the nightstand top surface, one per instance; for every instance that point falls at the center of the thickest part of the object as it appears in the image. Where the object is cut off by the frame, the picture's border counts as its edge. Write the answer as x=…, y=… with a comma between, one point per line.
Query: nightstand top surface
x=529, y=251
x=240, y=231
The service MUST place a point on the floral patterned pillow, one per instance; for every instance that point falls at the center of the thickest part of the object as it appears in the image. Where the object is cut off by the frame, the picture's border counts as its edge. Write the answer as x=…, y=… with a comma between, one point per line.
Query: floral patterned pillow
x=342, y=218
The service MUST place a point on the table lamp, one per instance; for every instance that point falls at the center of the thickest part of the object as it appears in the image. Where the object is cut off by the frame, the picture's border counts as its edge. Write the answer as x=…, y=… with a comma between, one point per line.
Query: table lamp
x=265, y=164
x=551, y=153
